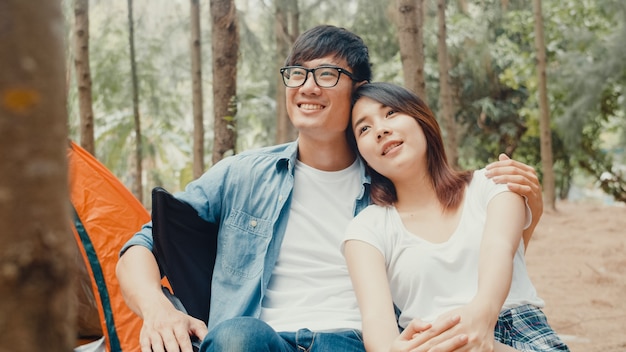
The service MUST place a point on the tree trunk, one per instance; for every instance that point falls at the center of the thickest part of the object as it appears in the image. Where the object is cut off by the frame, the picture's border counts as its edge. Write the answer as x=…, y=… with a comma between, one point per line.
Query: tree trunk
x=37, y=306
x=225, y=52
x=196, y=78
x=286, y=30
x=505, y=5
x=410, y=25
x=138, y=183
x=463, y=7
x=544, y=109
x=445, y=94
x=83, y=75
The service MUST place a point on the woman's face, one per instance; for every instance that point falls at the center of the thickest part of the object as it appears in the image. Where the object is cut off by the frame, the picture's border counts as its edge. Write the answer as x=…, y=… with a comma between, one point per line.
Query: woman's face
x=390, y=142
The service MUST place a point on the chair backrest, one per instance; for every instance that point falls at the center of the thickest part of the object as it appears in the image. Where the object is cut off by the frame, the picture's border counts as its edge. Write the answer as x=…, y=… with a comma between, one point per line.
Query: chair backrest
x=185, y=246
x=106, y=215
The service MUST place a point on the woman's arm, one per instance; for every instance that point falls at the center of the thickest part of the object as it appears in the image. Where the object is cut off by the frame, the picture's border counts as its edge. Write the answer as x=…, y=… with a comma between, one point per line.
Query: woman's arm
x=501, y=238
x=369, y=278
x=380, y=327
x=521, y=179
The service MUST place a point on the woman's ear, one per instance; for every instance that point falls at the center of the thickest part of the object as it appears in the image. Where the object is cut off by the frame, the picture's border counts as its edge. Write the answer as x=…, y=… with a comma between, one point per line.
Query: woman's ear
x=358, y=84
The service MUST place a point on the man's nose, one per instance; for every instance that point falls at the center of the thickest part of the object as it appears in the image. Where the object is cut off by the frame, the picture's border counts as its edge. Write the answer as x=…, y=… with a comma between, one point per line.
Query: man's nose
x=310, y=81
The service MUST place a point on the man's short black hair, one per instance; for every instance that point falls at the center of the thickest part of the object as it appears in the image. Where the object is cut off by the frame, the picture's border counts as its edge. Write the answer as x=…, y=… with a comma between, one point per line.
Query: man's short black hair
x=324, y=40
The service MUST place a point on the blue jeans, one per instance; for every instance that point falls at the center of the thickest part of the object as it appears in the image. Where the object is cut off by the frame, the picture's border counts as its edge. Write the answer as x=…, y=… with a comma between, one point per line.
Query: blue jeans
x=246, y=334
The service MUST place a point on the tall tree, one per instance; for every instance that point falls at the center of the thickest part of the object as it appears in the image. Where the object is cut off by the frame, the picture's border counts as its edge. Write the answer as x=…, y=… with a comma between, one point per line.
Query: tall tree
x=138, y=183
x=286, y=29
x=544, y=110
x=410, y=23
x=445, y=92
x=83, y=74
x=463, y=6
x=196, y=79
x=225, y=50
x=37, y=309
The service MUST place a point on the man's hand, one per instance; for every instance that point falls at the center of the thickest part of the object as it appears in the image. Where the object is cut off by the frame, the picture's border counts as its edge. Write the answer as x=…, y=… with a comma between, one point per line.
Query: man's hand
x=521, y=179
x=423, y=337
x=168, y=329
x=164, y=327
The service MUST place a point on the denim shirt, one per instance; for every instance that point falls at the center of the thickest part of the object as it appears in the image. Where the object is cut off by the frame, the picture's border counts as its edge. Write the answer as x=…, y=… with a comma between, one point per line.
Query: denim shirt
x=249, y=196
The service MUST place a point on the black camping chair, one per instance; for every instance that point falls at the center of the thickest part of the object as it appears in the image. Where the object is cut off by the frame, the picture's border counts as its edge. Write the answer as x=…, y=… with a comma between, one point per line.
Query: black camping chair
x=185, y=246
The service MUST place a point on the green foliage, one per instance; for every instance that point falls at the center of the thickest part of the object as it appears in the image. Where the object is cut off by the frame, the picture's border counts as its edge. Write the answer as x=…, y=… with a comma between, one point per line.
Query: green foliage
x=492, y=55
x=589, y=87
x=163, y=75
x=373, y=22
x=490, y=97
x=598, y=162
x=338, y=13
x=493, y=74
x=257, y=79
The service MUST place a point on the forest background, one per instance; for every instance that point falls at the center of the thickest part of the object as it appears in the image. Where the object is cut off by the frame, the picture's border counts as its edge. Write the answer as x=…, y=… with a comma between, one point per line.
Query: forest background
x=543, y=81
x=493, y=86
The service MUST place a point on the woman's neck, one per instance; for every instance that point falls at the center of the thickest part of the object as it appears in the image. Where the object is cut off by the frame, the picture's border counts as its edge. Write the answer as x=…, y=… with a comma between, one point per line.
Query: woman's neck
x=415, y=194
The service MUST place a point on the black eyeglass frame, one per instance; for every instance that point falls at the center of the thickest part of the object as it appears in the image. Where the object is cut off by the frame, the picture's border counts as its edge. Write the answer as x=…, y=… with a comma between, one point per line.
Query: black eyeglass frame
x=312, y=70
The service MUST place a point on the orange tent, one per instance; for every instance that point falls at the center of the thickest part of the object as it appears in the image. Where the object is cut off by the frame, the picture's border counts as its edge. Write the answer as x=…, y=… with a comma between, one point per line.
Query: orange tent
x=106, y=215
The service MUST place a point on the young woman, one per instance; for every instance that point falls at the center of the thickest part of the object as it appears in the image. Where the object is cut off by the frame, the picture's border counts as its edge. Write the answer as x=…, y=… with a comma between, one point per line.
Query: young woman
x=437, y=243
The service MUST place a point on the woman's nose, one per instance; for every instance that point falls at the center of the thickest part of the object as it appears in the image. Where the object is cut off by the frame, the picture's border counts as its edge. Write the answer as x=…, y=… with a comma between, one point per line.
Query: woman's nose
x=382, y=131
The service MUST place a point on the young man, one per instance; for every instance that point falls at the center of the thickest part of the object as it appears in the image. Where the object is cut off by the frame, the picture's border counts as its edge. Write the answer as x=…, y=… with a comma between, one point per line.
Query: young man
x=280, y=282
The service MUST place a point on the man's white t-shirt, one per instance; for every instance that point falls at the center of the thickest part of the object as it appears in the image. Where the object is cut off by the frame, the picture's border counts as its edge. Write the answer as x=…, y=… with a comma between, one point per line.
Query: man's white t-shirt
x=428, y=279
x=310, y=286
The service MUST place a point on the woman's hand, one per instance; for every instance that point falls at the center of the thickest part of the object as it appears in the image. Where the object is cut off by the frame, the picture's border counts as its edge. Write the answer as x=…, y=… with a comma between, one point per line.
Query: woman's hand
x=476, y=324
x=419, y=336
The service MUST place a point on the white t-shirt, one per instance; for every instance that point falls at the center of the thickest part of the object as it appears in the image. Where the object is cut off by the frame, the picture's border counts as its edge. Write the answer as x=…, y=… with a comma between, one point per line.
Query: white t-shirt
x=428, y=279
x=310, y=286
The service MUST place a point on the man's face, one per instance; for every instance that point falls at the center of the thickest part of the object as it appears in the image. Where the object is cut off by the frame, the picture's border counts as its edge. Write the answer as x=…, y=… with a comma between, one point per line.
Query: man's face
x=321, y=112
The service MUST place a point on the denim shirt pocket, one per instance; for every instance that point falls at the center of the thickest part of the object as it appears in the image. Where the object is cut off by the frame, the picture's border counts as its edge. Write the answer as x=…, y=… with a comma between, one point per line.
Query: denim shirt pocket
x=244, y=244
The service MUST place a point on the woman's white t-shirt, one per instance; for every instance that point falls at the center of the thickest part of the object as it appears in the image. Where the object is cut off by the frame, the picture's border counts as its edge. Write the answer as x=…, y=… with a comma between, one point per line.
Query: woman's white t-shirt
x=428, y=279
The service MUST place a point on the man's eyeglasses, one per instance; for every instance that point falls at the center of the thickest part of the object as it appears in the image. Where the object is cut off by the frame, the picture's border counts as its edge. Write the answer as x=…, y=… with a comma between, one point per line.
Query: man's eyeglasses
x=324, y=76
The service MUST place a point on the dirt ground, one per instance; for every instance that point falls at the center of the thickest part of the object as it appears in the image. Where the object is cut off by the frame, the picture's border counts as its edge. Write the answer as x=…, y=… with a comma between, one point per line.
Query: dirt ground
x=577, y=261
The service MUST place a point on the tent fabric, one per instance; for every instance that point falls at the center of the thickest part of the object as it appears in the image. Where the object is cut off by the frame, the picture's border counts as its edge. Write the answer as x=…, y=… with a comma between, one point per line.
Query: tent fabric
x=185, y=246
x=106, y=215
x=87, y=317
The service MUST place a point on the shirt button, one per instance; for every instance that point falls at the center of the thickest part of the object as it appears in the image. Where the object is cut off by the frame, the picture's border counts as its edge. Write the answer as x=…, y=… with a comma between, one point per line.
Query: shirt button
x=253, y=223
x=280, y=198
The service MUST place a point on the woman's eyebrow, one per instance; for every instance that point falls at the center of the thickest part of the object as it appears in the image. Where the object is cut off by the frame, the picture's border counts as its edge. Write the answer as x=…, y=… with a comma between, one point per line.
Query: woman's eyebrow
x=360, y=120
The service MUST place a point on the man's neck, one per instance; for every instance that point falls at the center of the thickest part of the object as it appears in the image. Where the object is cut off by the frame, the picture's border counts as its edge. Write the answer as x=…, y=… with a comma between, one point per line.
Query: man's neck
x=325, y=155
